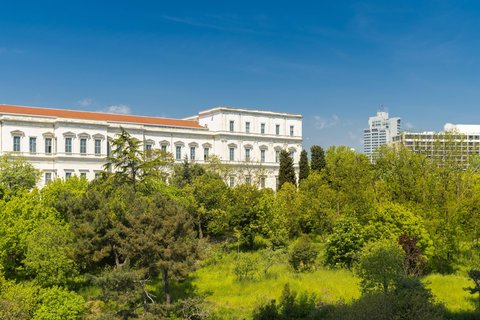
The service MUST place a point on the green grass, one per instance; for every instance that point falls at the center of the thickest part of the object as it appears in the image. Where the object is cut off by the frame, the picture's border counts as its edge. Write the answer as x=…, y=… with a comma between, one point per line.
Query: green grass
x=449, y=290
x=236, y=299
x=233, y=299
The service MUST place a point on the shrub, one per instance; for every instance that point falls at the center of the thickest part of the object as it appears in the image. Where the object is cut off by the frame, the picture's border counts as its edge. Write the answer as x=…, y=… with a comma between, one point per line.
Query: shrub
x=291, y=306
x=302, y=255
x=344, y=243
x=380, y=265
x=59, y=304
x=245, y=266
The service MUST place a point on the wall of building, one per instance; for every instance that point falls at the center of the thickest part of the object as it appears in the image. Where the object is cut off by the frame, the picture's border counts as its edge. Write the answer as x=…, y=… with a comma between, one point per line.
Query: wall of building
x=215, y=135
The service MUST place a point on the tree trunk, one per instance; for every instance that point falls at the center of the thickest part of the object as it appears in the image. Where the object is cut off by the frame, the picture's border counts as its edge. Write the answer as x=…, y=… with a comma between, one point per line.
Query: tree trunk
x=166, y=286
x=200, y=231
x=117, y=259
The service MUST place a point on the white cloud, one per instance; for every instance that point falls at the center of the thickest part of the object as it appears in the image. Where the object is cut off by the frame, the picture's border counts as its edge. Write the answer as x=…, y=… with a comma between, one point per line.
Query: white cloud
x=322, y=123
x=86, y=102
x=119, y=108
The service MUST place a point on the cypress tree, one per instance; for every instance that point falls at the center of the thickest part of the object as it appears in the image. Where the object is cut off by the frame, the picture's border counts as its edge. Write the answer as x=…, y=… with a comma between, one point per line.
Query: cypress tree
x=318, y=158
x=286, y=172
x=303, y=165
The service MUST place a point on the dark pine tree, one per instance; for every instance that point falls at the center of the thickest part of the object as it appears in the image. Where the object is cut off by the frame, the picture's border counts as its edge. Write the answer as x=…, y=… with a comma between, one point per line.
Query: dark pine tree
x=286, y=172
x=303, y=166
x=318, y=158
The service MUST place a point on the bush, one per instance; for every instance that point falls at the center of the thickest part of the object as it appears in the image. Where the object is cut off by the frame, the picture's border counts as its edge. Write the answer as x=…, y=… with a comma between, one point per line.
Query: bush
x=302, y=255
x=344, y=243
x=245, y=266
x=414, y=301
x=381, y=265
x=291, y=306
x=59, y=304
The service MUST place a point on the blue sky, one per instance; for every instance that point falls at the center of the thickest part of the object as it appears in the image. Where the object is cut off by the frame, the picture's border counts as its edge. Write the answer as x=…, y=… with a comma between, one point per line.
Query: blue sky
x=336, y=62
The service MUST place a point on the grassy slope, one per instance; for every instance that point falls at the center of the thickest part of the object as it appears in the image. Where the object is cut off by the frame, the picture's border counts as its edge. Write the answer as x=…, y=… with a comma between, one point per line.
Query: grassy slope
x=236, y=300
x=449, y=290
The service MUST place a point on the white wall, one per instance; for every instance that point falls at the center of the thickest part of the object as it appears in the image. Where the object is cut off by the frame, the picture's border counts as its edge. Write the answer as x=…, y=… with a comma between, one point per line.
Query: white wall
x=216, y=135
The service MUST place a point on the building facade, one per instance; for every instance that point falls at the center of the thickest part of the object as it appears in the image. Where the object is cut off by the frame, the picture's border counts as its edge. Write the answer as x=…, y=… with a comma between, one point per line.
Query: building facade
x=456, y=142
x=381, y=130
x=63, y=143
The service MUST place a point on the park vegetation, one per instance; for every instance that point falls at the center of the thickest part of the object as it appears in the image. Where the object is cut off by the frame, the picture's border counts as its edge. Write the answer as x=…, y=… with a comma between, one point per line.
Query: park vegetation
x=150, y=239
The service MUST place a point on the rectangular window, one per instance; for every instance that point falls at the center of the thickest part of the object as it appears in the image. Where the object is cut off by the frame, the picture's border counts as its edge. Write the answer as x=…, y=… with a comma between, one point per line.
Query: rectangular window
x=277, y=156
x=232, y=125
x=192, y=153
x=164, y=148
x=232, y=182
x=277, y=129
x=48, y=145
x=206, y=153
x=68, y=145
x=109, y=148
x=262, y=182
x=48, y=177
x=248, y=180
x=247, y=154
x=262, y=128
x=68, y=175
x=16, y=144
x=148, y=147
x=98, y=147
x=33, y=145
x=83, y=145
x=291, y=131
x=178, y=152
x=247, y=127
x=232, y=154
x=262, y=155
x=97, y=175
x=83, y=175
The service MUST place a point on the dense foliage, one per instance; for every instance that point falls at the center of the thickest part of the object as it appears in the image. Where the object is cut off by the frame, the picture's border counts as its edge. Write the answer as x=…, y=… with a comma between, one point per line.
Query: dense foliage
x=124, y=245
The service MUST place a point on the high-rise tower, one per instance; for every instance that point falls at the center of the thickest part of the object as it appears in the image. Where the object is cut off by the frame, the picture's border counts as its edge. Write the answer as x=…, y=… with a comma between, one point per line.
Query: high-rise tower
x=381, y=130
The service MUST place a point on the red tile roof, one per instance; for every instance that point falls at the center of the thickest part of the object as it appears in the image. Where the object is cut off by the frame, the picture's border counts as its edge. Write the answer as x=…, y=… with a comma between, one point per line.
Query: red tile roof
x=98, y=116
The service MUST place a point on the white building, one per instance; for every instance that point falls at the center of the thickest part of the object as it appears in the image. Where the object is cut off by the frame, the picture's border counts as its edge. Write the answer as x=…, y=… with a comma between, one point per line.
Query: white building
x=381, y=130
x=457, y=142
x=62, y=143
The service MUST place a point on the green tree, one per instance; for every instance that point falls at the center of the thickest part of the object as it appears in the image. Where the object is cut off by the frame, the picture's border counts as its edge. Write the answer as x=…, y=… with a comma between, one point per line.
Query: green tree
x=286, y=208
x=391, y=220
x=302, y=255
x=318, y=162
x=344, y=243
x=317, y=210
x=65, y=196
x=381, y=266
x=57, y=303
x=18, y=301
x=50, y=252
x=274, y=217
x=183, y=174
x=304, y=167
x=286, y=172
x=159, y=239
x=16, y=173
x=350, y=176
x=20, y=217
x=210, y=196
x=126, y=157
